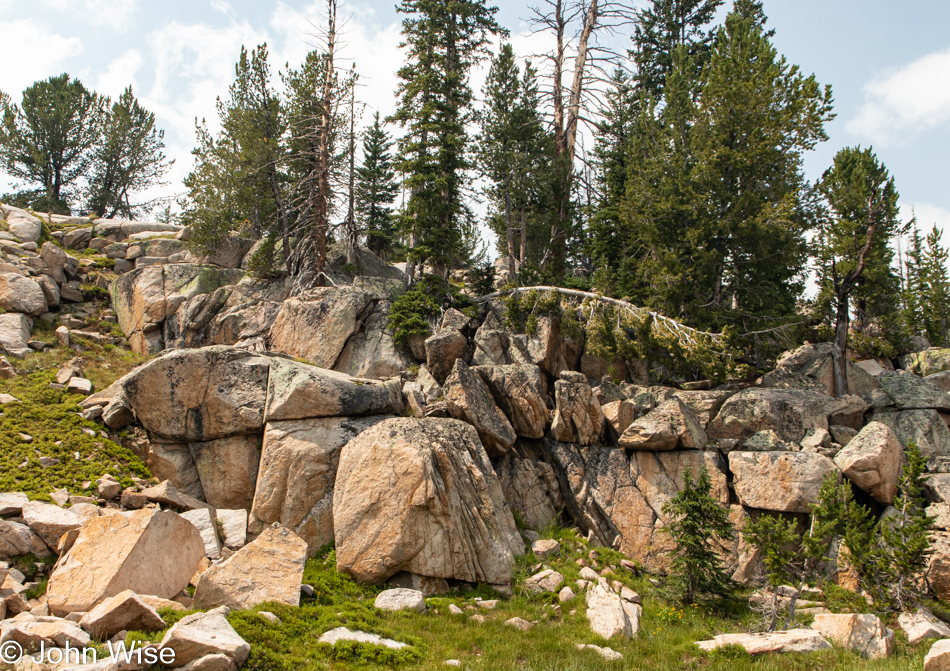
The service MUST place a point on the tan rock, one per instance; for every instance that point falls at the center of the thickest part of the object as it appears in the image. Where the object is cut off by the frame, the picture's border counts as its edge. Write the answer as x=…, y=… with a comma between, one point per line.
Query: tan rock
x=200, y=395
x=15, y=331
x=519, y=392
x=469, y=400
x=206, y=524
x=335, y=313
x=442, y=351
x=233, y=526
x=400, y=599
x=48, y=521
x=938, y=657
x=547, y=580
x=123, y=612
x=120, y=552
x=372, y=352
x=921, y=625
x=862, y=633
x=31, y=634
x=938, y=570
x=606, y=614
x=872, y=461
x=619, y=415
x=670, y=425
x=578, y=417
x=201, y=634
x=269, y=568
x=788, y=412
x=781, y=481
x=21, y=294
x=297, y=473
x=228, y=469
x=18, y=539
x=299, y=391
x=420, y=495
x=791, y=640
x=530, y=485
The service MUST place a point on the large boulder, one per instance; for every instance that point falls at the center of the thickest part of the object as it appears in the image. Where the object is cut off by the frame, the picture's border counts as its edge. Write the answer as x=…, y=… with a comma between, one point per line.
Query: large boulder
x=578, y=417
x=190, y=396
x=297, y=471
x=335, y=313
x=938, y=657
x=420, y=495
x=872, y=461
x=468, y=399
x=530, y=484
x=442, y=351
x=372, y=352
x=148, y=551
x=618, y=497
x=21, y=294
x=705, y=404
x=924, y=428
x=299, y=391
x=910, y=392
x=203, y=634
x=938, y=565
x=780, y=481
x=606, y=612
x=18, y=539
x=269, y=568
x=23, y=225
x=229, y=252
x=921, y=624
x=669, y=426
x=15, y=331
x=519, y=392
x=860, y=382
x=865, y=634
x=228, y=469
x=788, y=412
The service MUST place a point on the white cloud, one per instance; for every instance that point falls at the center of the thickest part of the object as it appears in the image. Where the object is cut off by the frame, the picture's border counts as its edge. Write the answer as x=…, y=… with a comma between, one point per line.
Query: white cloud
x=120, y=74
x=115, y=14
x=928, y=216
x=910, y=100
x=42, y=59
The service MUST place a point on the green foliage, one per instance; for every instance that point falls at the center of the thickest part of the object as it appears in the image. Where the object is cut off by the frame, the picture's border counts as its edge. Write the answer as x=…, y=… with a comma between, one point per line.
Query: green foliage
x=443, y=41
x=376, y=189
x=48, y=139
x=927, y=289
x=777, y=540
x=127, y=159
x=700, y=529
x=832, y=516
x=890, y=557
x=417, y=311
x=52, y=418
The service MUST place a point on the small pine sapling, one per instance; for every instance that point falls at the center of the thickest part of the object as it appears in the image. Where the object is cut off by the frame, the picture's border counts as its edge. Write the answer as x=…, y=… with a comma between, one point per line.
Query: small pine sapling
x=777, y=541
x=700, y=528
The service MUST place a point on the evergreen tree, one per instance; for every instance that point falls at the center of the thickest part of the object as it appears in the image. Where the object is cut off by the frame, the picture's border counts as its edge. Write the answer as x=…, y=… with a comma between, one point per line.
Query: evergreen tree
x=512, y=151
x=376, y=189
x=853, y=249
x=237, y=183
x=444, y=40
x=700, y=528
x=48, y=139
x=127, y=160
x=928, y=293
x=663, y=27
x=776, y=540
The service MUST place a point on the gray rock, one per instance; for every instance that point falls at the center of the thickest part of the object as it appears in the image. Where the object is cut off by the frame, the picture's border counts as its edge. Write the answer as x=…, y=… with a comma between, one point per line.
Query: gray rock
x=401, y=599
x=780, y=481
x=910, y=392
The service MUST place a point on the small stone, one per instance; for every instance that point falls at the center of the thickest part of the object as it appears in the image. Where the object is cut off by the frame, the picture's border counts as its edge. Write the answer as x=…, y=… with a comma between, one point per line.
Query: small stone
x=79, y=385
x=545, y=581
x=60, y=497
x=607, y=653
x=401, y=599
x=488, y=604
x=455, y=610
x=545, y=548
x=343, y=634
x=453, y=662
x=477, y=618
x=519, y=623
x=565, y=595
x=270, y=617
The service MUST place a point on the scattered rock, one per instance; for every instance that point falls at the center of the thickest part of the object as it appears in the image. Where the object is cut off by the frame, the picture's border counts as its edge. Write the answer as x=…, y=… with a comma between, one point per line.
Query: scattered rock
x=921, y=624
x=607, y=653
x=792, y=640
x=862, y=633
x=519, y=623
x=200, y=634
x=125, y=611
x=607, y=614
x=547, y=580
x=545, y=548
x=206, y=524
x=49, y=522
x=938, y=657
x=343, y=634
x=401, y=599
x=270, y=568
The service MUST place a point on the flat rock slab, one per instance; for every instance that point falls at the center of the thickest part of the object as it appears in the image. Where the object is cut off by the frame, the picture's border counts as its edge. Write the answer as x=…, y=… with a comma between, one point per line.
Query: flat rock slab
x=343, y=634
x=401, y=599
x=793, y=640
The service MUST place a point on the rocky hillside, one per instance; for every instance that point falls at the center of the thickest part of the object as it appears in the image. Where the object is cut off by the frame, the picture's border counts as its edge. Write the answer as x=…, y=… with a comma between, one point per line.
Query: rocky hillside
x=272, y=459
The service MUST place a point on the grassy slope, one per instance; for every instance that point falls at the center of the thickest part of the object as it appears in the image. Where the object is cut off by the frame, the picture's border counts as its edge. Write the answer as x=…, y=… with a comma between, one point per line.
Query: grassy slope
x=50, y=417
x=665, y=643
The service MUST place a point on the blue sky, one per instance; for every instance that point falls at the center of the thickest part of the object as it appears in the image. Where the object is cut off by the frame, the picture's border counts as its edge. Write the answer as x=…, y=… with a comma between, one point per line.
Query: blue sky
x=888, y=64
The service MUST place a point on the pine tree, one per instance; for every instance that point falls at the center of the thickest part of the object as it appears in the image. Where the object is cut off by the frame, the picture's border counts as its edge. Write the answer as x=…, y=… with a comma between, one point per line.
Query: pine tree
x=776, y=540
x=663, y=27
x=127, y=160
x=376, y=189
x=48, y=139
x=512, y=151
x=700, y=528
x=238, y=182
x=853, y=250
x=931, y=287
x=444, y=40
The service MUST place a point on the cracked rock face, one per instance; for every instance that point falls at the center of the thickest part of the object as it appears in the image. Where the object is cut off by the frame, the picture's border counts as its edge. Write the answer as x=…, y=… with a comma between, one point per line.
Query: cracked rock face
x=420, y=495
x=620, y=497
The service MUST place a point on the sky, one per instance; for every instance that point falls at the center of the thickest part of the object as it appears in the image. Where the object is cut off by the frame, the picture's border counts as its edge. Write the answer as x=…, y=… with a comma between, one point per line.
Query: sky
x=888, y=64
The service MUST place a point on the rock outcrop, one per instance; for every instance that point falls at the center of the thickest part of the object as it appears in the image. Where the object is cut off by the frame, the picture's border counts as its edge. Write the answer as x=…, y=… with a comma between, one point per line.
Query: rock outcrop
x=420, y=495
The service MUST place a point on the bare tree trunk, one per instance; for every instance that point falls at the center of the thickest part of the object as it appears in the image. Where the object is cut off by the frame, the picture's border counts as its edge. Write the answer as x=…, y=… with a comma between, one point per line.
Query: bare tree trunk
x=351, y=234
x=510, y=230
x=524, y=235
x=321, y=216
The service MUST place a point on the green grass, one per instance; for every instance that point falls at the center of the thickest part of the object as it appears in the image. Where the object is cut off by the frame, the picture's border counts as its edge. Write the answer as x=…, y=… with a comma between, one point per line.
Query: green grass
x=666, y=641
x=51, y=417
